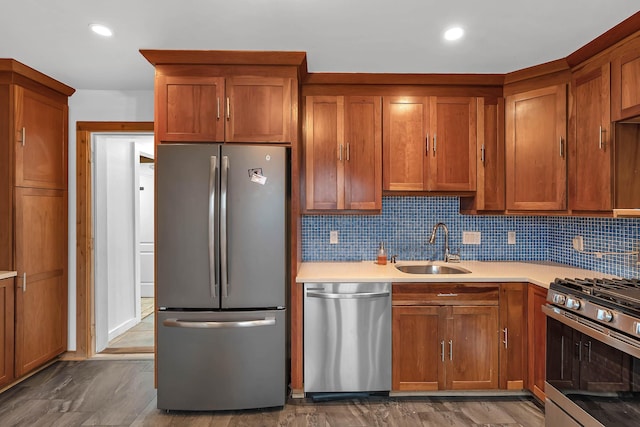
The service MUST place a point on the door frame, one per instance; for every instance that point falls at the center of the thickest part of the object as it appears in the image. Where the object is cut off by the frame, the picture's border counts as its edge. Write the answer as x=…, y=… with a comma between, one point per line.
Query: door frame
x=85, y=320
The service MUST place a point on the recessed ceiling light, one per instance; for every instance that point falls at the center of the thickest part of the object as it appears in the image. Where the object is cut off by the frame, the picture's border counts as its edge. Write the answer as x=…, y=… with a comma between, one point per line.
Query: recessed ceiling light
x=454, y=33
x=101, y=29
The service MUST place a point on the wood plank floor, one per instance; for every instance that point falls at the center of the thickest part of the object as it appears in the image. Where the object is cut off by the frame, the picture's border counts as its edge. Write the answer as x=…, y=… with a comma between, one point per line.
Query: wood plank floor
x=121, y=393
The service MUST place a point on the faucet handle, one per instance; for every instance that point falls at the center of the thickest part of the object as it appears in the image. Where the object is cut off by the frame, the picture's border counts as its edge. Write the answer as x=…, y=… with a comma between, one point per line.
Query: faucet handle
x=453, y=257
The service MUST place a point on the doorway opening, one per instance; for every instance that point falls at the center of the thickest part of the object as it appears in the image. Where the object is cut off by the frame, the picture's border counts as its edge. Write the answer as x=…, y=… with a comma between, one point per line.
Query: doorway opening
x=115, y=309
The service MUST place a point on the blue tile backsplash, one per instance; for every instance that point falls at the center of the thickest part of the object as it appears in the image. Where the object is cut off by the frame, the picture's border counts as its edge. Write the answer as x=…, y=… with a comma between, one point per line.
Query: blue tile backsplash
x=406, y=223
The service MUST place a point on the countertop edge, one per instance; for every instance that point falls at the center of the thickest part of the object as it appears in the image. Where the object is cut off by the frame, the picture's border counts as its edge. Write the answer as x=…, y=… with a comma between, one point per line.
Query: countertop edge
x=7, y=274
x=540, y=274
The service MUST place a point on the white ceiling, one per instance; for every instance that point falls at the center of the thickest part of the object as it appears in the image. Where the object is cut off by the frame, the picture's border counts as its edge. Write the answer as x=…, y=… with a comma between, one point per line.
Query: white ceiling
x=401, y=36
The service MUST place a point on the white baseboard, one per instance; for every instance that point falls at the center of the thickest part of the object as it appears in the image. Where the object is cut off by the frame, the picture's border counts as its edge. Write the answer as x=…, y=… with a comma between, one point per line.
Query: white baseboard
x=124, y=327
x=146, y=290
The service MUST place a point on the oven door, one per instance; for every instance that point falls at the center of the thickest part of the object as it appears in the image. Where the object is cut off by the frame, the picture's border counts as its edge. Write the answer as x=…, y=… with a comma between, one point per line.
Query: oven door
x=592, y=374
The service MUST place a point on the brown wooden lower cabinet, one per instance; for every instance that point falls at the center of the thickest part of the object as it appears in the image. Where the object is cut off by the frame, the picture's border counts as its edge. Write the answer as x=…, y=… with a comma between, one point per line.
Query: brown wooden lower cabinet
x=513, y=330
x=41, y=261
x=6, y=331
x=537, y=337
x=438, y=347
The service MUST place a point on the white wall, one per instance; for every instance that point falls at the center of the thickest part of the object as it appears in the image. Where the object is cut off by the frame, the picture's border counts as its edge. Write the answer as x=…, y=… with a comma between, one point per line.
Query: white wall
x=95, y=106
x=115, y=280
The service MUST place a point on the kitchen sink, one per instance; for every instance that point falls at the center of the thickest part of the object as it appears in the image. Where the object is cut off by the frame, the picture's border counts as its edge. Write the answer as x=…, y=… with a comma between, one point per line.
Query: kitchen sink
x=431, y=269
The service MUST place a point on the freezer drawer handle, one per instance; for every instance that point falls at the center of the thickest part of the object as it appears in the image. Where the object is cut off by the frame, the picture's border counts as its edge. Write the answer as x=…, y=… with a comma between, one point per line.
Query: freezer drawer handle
x=359, y=295
x=202, y=324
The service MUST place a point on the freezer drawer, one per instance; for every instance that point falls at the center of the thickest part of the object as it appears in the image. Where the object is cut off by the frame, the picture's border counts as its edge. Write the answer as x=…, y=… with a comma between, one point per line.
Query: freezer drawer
x=347, y=337
x=221, y=360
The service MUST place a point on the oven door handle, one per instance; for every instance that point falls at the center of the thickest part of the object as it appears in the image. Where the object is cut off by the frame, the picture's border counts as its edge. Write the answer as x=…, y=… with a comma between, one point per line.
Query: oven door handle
x=627, y=347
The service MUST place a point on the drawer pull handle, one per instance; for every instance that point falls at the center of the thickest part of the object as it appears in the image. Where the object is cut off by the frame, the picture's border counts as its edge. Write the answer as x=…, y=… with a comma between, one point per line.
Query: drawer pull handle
x=447, y=295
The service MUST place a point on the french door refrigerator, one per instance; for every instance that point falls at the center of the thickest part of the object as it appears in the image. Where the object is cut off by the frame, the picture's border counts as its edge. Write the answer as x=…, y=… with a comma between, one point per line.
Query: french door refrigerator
x=221, y=243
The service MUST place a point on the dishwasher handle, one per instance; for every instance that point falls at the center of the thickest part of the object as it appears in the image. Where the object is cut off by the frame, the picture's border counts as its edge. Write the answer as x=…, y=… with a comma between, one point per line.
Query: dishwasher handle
x=357, y=295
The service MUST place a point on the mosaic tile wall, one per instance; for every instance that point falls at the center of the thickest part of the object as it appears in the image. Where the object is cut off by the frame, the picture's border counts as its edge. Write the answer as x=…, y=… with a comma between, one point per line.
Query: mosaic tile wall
x=406, y=223
x=405, y=226
x=599, y=235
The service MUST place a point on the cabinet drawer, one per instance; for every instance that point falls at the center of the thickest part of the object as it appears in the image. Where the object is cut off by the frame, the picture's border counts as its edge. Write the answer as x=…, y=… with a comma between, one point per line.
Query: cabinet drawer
x=445, y=293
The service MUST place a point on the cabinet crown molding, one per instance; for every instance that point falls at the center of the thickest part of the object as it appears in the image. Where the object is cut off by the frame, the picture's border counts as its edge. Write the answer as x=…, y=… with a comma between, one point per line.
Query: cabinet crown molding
x=16, y=68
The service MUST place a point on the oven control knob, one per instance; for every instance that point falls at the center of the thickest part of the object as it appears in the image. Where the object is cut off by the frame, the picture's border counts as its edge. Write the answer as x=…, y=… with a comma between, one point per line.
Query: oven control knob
x=604, y=315
x=573, y=304
x=559, y=299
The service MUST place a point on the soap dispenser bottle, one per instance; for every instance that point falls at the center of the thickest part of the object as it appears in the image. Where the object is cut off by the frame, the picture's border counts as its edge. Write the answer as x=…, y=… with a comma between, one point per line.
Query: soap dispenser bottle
x=382, y=254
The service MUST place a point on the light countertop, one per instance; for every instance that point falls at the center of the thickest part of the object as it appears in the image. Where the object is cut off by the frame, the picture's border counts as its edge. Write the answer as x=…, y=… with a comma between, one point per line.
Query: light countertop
x=539, y=273
x=7, y=274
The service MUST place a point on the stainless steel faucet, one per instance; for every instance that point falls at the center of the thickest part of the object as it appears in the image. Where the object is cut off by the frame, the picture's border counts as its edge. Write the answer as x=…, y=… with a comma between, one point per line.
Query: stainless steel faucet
x=448, y=256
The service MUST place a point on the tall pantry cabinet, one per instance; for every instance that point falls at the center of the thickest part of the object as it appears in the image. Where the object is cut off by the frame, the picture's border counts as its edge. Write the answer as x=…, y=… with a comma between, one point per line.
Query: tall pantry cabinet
x=33, y=210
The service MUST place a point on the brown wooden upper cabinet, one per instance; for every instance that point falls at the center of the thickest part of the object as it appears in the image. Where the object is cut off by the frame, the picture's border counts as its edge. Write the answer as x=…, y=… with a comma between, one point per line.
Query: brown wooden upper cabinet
x=489, y=195
x=429, y=143
x=536, y=149
x=41, y=140
x=343, y=153
x=625, y=82
x=223, y=109
x=590, y=180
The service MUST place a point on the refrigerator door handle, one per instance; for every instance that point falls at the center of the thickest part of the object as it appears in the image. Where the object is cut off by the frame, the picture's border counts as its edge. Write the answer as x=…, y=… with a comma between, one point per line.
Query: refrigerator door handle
x=203, y=324
x=224, y=273
x=213, y=277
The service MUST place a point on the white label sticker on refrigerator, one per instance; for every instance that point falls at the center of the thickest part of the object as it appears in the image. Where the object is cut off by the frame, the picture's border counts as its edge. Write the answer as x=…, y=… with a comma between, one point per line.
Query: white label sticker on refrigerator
x=260, y=179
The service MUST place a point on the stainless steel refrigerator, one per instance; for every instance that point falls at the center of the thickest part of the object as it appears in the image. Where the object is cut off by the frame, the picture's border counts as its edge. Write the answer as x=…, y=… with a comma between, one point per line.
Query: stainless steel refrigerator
x=221, y=275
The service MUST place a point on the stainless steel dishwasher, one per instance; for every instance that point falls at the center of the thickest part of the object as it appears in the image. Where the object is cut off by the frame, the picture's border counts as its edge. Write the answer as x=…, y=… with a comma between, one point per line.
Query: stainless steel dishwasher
x=347, y=337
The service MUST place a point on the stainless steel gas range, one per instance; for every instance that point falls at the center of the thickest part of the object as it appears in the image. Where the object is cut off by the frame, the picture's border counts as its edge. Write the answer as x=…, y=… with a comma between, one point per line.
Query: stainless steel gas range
x=593, y=352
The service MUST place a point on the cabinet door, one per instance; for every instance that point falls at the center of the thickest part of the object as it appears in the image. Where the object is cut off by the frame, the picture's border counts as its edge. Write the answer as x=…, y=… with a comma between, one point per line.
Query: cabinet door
x=323, y=147
x=41, y=140
x=452, y=160
x=537, y=339
x=513, y=325
x=590, y=181
x=258, y=109
x=405, y=143
x=417, y=348
x=472, y=348
x=41, y=258
x=189, y=109
x=536, y=149
x=6, y=331
x=625, y=84
x=490, y=187
x=363, y=157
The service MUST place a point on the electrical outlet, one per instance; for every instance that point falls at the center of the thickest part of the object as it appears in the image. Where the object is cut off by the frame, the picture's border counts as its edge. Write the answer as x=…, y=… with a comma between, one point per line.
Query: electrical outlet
x=471, y=237
x=578, y=243
x=511, y=237
x=333, y=237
